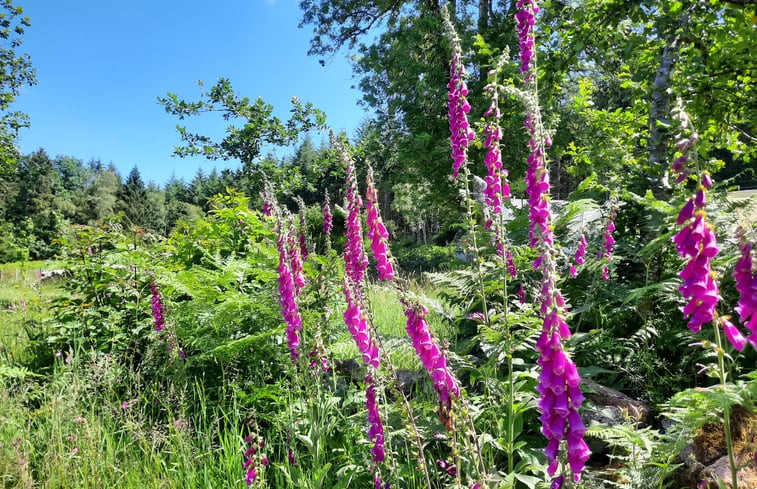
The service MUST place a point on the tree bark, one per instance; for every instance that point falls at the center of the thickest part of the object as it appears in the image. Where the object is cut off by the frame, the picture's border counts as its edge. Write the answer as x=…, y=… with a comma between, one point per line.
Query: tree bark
x=484, y=8
x=658, y=116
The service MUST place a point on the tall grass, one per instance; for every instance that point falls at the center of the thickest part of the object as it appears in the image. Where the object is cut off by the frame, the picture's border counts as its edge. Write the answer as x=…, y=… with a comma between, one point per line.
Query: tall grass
x=83, y=430
x=93, y=423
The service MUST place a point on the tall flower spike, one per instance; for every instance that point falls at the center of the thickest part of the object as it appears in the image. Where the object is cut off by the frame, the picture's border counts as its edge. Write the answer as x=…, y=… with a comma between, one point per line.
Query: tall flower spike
x=497, y=187
x=746, y=284
x=357, y=324
x=303, y=227
x=268, y=198
x=432, y=357
x=608, y=243
x=559, y=382
x=579, y=256
x=295, y=259
x=250, y=455
x=377, y=232
x=697, y=244
x=158, y=311
x=510, y=264
x=157, y=308
x=525, y=20
x=287, y=294
x=376, y=430
x=458, y=107
x=355, y=258
x=328, y=218
x=681, y=166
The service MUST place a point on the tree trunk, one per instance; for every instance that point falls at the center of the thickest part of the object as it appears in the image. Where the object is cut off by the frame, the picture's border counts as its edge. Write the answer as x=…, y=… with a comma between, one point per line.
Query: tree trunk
x=659, y=120
x=484, y=8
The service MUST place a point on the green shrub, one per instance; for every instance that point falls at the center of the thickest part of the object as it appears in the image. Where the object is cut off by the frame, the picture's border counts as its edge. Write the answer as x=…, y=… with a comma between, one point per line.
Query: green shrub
x=425, y=258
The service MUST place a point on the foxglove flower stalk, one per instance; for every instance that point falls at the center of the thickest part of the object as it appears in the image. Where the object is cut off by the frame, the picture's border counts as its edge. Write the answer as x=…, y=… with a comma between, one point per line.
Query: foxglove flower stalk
x=172, y=344
x=497, y=187
x=157, y=308
x=287, y=292
x=318, y=359
x=250, y=455
x=696, y=243
x=377, y=232
x=559, y=382
x=579, y=256
x=376, y=430
x=608, y=244
x=522, y=294
x=303, y=231
x=328, y=218
x=355, y=258
x=458, y=107
x=685, y=144
x=746, y=284
x=317, y=355
x=295, y=260
x=432, y=357
x=357, y=324
x=511, y=264
x=268, y=198
x=525, y=20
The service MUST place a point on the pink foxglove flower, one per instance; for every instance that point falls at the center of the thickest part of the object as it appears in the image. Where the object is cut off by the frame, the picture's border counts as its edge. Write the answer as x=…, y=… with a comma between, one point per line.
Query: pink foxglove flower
x=559, y=382
x=680, y=166
x=157, y=308
x=328, y=218
x=579, y=256
x=268, y=198
x=376, y=430
x=317, y=355
x=432, y=357
x=158, y=312
x=357, y=324
x=746, y=285
x=696, y=243
x=249, y=463
x=355, y=258
x=522, y=294
x=510, y=264
x=732, y=333
x=377, y=232
x=291, y=457
x=287, y=292
x=497, y=187
x=295, y=260
x=458, y=107
x=525, y=20
x=608, y=244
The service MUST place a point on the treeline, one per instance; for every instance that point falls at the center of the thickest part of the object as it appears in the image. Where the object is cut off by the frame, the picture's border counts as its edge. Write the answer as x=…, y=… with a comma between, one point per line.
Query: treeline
x=43, y=196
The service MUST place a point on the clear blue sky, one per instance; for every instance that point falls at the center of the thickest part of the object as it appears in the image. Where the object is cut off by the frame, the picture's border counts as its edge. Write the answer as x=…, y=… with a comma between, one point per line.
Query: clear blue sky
x=101, y=64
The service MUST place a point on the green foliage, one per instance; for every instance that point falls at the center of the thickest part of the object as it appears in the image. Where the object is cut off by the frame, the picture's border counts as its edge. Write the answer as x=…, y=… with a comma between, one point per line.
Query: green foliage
x=245, y=142
x=424, y=258
x=17, y=72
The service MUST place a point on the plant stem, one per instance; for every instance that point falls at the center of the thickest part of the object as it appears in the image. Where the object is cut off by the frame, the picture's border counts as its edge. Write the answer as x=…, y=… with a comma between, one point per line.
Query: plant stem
x=509, y=344
x=727, y=409
x=472, y=230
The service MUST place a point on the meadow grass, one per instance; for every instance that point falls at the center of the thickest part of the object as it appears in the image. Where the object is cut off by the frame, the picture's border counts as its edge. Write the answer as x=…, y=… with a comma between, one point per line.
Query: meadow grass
x=91, y=423
x=388, y=317
x=23, y=301
x=79, y=431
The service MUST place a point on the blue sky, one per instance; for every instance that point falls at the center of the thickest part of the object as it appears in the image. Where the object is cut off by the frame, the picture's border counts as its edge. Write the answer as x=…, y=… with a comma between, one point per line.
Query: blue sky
x=101, y=65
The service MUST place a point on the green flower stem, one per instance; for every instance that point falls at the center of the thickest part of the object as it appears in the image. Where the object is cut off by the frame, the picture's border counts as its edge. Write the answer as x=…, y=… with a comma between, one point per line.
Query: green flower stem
x=727, y=409
x=508, y=335
x=472, y=230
